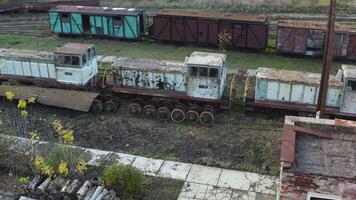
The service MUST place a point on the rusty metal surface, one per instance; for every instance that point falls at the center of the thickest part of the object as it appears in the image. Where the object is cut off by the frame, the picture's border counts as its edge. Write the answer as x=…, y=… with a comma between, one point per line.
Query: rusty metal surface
x=94, y=10
x=75, y=100
x=328, y=57
x=213, y=15
x=21, y=92
x=294, y=76
x=30, y=55
x=73, y=48
x=149, y=65
x=205, y=31
x=308, y=24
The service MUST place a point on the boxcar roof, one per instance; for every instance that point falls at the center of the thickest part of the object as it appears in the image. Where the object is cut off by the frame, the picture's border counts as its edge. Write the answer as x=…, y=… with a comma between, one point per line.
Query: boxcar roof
x=95, y=10
x=294, y=76
x=73, y=48
x=149, y=65
x=309, y=24
x=213, y=15
x=204, y=58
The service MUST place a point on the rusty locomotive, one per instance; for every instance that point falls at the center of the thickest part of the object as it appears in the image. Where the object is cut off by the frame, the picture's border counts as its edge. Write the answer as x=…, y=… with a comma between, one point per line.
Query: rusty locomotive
x=191, y=91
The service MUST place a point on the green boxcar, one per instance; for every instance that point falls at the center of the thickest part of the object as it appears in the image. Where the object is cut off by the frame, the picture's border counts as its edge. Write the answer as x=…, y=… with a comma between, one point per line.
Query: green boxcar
x=97, y=21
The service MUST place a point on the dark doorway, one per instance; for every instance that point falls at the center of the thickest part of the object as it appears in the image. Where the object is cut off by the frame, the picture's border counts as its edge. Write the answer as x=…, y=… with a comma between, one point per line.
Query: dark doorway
x=86, y=24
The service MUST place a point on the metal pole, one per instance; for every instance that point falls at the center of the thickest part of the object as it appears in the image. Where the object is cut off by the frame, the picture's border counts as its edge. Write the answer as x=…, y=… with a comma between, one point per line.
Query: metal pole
x=328, y=56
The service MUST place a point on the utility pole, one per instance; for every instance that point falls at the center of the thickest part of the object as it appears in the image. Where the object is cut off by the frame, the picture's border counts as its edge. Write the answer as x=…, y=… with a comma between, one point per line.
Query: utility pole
x=328, y=56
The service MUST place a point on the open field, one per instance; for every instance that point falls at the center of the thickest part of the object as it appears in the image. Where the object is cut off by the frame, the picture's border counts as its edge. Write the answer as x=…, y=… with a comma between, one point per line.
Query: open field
x=156, y=50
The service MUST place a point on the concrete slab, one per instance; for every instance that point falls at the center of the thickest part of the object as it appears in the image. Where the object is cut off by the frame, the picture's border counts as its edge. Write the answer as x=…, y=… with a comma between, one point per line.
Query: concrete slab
x=148, y=166
x=204, y=175
x=267, y=185
x=97, y=156
x=174, y=170
x=121, y=158
x=243, y=195
x=193, y=191
x=238, y=180
x=216, y=193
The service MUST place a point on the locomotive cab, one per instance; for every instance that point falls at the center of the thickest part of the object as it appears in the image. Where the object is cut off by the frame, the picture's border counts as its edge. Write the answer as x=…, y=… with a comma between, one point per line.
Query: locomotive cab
x=206, y=75
x=349, y=89
x=75, y=63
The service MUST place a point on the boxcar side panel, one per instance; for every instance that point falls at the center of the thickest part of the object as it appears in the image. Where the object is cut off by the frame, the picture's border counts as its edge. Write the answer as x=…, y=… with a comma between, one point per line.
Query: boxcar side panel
x=239, y=37
x=55, y=22
x=162, y=28
x=257, y=36
x=300, y=40
x=351, y=50
x=285, y=41
x=191, y=31
x=178, y=29
x=213, y=33
x=76, y=23
x=131, y=27
x=202, y=31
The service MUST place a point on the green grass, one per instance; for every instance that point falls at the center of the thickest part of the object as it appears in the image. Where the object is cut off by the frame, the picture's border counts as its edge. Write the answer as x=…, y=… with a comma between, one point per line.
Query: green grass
x=156, y=50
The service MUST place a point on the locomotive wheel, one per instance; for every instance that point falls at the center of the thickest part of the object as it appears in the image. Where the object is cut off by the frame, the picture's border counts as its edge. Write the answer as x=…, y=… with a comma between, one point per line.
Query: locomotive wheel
x=181, y=106
x=149, y=111
x=192, y=116
x=135, y=109
x=178, y=115
x=97, y=106
x=117, y=101
x=163, y=113
x=206, y=118
x=110, y=107
x=209, y=108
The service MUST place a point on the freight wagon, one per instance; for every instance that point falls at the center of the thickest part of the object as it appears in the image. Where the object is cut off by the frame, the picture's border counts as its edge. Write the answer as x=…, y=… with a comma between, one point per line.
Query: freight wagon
x=204, y=27
x=120, y=23
x=299, y=91
x=307, y=38
x=184, y=26
x=191, y=91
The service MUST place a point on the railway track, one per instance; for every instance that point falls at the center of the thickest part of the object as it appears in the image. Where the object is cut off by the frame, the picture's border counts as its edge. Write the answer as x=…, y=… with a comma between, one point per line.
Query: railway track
x=30, y=25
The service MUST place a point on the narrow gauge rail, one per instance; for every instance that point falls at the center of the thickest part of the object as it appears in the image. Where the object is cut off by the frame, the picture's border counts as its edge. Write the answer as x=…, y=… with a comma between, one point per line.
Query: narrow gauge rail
x=193, y=90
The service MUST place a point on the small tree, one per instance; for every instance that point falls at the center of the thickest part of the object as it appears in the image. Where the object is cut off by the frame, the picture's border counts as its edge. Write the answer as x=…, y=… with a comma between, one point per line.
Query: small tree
x=223, y=39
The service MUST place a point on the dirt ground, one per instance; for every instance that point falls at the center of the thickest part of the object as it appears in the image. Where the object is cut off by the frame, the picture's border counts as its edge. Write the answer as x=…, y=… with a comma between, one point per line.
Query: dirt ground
x=238, y=140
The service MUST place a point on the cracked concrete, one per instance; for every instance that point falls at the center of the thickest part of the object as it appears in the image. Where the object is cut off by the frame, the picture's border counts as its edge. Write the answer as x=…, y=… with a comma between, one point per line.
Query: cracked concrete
x=201, y=182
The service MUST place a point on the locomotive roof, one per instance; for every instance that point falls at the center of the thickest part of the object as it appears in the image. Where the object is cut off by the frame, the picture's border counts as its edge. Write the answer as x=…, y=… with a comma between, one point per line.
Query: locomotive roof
x=309, y=24
x=205, y=58
x=73, y=48
x=349, y=71
x=213, y=15
x=23, y=54
x=149, y=65
x=96, y=10
x=294, y=76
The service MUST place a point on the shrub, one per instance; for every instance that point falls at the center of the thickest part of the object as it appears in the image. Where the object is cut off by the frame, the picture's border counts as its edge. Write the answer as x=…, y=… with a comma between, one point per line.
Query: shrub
x=125, y=179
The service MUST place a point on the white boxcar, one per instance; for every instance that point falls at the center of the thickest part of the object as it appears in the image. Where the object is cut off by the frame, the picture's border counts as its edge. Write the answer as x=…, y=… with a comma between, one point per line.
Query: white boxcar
x=151, y=74
x=294, y=87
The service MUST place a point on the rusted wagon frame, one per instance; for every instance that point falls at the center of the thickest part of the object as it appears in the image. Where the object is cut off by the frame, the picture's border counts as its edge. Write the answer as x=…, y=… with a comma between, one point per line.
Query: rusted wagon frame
x=300, y=108
x=200, y=30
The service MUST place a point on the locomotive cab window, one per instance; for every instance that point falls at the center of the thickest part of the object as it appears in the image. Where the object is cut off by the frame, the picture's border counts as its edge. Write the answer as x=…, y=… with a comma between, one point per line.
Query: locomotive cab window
x=352, y=84
x=67, y=61
x=194, y=71
x=84, y=59
x=213, y=73
x=203, y=72
x=65, y=18
x=118, y=21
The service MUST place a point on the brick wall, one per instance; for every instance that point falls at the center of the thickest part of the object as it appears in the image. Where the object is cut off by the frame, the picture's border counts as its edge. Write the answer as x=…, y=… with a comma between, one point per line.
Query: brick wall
x=295, y=186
